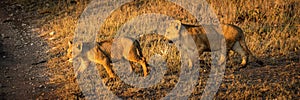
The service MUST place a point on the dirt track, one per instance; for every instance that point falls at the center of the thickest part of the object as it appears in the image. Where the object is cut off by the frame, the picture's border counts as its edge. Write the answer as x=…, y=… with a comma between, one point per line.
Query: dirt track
x=23, y=59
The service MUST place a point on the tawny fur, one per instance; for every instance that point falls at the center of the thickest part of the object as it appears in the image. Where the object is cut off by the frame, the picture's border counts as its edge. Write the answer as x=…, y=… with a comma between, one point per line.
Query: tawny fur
x=101, y=53
x=234, y=37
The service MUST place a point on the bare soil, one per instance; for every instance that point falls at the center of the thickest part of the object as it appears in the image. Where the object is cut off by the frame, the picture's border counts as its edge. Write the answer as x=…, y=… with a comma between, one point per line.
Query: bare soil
x=23, y=59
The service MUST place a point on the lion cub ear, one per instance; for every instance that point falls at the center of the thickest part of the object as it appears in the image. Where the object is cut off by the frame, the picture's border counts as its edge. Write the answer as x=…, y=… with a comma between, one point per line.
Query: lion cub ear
x=173, y=30
x=177, y=24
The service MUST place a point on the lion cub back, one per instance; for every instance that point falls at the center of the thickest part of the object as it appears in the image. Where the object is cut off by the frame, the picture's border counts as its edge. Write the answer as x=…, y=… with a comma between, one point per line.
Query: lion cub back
x=116, y=48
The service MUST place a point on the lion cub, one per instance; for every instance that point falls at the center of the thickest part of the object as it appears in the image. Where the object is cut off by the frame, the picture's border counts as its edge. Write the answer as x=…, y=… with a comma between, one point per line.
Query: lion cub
x=234, y=37
x=101, y=53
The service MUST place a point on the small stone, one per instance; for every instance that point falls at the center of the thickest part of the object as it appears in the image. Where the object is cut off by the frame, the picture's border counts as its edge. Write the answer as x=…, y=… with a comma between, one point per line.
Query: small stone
x=51, y=38
x=51, y=33
x=231, y=76
x=35, y=29
x=32, y=78
x=41, y=86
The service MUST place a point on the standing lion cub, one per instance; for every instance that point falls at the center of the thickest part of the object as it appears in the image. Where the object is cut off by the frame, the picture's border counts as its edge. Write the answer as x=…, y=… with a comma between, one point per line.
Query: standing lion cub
x=234, y=37
x=101, y=53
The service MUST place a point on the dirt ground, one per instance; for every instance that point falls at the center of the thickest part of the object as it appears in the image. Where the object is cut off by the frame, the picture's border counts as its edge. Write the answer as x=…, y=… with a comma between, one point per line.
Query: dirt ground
x=32, y=67
x=23, y=58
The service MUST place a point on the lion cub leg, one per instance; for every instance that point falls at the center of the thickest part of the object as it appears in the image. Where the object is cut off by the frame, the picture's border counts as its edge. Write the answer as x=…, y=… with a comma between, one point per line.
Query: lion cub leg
x=96, y=55
x=237, y=48
x=133, y=56
x=82, y=67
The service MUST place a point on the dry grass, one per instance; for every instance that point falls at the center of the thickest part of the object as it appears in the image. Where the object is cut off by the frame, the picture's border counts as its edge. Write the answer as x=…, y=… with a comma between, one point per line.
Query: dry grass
x=271, y=28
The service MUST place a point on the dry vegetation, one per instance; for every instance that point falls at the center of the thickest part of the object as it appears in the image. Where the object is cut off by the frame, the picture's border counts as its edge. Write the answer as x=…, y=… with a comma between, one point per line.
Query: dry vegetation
x=271, y=28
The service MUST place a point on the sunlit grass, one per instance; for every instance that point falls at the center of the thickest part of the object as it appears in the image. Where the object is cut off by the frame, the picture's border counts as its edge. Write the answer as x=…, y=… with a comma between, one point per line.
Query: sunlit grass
x=271, y=27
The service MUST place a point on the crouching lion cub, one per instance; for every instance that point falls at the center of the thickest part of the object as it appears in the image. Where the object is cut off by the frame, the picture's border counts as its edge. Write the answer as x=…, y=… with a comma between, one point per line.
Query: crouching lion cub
x=101, y=53
x=234, y=37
